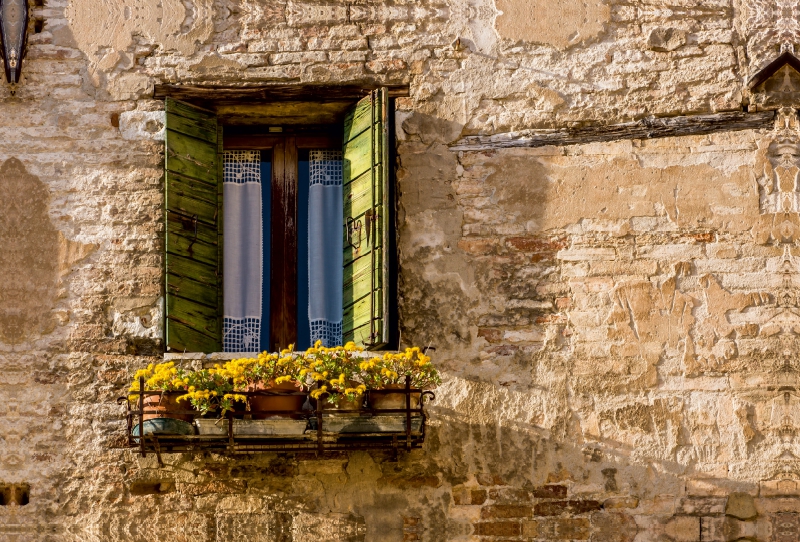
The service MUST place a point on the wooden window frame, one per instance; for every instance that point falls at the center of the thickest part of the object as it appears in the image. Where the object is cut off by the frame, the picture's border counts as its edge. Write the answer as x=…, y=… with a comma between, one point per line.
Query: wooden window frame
x=300, y=108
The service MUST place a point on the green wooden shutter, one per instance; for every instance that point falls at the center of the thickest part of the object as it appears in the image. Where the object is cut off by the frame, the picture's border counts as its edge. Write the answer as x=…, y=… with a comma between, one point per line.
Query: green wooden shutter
x=366, y=222
x=193, y=229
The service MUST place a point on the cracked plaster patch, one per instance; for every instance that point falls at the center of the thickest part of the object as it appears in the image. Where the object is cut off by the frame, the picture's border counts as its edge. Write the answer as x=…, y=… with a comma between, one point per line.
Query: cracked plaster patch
x=107, y=30
x=560, y=24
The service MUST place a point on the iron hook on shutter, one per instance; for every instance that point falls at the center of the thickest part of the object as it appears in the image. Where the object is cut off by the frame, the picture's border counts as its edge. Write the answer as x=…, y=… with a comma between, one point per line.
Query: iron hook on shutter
x=353, y=226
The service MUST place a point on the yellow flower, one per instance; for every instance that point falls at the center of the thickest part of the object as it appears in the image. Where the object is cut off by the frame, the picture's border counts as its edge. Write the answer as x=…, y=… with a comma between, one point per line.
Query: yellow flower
x=316, y=394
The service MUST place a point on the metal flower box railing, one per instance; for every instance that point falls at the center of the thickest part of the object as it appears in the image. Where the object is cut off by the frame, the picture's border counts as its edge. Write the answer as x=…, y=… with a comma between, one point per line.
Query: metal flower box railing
x=242, y=431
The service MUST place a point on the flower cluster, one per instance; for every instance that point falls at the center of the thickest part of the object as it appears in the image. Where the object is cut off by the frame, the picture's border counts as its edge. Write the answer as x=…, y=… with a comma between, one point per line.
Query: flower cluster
x=391, y=369
x=159, y=377
x=220, y=387
x=208, y=390
x=335, y=370
x=332, y=374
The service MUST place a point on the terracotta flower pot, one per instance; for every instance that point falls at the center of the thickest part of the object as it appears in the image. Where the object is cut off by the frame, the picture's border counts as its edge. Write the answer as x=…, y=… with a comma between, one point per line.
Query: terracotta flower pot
x=167, y=405
x=283, y=399
x=392, y=400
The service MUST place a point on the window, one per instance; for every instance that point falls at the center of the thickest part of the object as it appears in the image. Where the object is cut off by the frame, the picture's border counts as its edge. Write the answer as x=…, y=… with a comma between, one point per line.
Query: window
x=253, y=228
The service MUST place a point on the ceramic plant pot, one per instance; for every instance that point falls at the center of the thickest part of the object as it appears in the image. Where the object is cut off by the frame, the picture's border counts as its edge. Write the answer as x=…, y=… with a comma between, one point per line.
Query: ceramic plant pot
x=285, y=397
x=392, y=400
x=167, y=405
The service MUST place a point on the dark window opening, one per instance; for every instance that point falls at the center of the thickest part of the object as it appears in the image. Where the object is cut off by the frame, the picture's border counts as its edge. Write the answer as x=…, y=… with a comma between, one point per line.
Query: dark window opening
x=285, y=175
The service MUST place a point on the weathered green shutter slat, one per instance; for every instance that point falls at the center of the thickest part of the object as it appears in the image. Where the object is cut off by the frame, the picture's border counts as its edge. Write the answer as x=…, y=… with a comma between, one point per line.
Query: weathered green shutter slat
x=180, y=186
x=188, y=334
x=359, y=280
x=360, y=312
x=184, y=227
x=193, y=264
x=366, y=221
x=197, y=250
x=191, y=289
x=195, y=127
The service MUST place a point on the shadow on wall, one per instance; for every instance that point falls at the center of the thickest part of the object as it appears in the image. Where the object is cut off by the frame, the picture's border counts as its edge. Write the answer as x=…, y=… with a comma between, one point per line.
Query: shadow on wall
x=490, y=250
x=34, y=259
x=486, y=470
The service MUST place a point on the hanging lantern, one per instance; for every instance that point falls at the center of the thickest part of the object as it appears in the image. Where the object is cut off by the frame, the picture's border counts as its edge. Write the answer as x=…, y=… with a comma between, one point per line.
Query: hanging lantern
x=13, y=28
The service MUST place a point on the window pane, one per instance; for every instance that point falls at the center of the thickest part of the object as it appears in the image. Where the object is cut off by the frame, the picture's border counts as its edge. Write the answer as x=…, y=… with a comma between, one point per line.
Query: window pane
x=266, y=206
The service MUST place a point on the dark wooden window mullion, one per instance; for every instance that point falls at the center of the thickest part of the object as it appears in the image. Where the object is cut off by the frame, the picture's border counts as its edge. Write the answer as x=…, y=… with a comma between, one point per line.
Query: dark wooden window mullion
x=283, y=292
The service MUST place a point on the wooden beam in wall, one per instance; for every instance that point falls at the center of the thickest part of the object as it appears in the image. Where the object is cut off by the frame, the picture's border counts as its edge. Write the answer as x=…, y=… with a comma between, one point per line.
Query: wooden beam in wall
x=649, y=128
x=273, y=93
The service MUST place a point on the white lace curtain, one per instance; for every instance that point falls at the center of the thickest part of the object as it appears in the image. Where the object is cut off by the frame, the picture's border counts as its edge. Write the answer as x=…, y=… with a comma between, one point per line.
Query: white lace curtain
x=242, y=251
x=325, y=247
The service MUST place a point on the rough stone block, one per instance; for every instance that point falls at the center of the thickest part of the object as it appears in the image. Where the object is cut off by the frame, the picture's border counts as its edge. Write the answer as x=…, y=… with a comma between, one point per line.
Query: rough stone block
x=498, y=528
x=487, y=479
x=510, y=495
x=564, y=529
x=530, y=529
x=152, y=487
x=621, y=502
x=741, y=506
x=550, y=492
x=587, y=254
x=468, y=495
x=613, y=527
x=555, y=508
x=673, y=252
x=683, y=528
x=535, y=244
x=701, y=506
x=505, y=511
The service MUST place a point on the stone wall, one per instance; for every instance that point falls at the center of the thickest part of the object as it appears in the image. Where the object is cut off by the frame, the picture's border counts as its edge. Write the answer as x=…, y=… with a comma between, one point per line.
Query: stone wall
x=617, y=323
